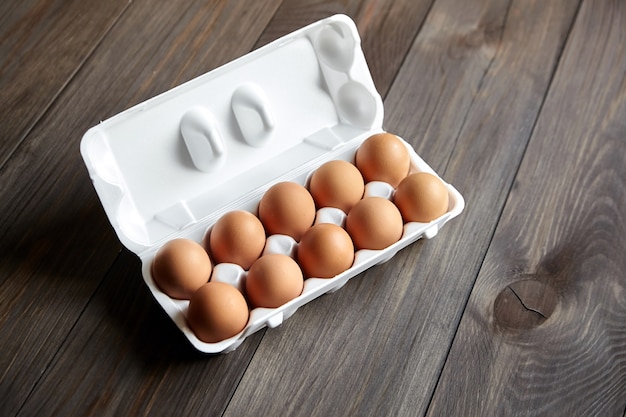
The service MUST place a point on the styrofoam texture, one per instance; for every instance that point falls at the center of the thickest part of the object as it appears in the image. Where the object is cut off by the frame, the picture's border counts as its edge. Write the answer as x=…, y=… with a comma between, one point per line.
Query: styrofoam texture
x=172, y=166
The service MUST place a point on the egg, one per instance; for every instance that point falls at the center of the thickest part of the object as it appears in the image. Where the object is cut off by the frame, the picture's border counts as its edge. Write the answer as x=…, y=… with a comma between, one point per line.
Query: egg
x=216, y=312
x=287, y=208
x=421, y=197
x=326, y=250
x=273, y=280
x=383, y=157
x=237, y=237
x=374, y=223
x=337, y=184
x=180, y=267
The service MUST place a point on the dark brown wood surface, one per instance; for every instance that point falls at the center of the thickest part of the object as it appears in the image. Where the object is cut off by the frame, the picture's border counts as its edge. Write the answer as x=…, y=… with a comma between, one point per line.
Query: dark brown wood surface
x=517, y=307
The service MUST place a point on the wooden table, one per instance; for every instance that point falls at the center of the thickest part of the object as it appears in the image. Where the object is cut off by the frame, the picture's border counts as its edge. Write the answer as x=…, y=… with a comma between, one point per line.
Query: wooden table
x=517, y=307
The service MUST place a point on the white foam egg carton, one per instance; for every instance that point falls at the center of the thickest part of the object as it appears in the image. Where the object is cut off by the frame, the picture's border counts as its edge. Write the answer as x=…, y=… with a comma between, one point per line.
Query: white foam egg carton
x=171, y=166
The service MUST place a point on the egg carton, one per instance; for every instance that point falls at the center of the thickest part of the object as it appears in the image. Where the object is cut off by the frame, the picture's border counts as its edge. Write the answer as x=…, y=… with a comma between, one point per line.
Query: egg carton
x=171, y=166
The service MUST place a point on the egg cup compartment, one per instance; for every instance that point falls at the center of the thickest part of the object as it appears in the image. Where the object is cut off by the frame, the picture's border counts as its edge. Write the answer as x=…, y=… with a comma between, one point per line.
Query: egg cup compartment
x=171, y=166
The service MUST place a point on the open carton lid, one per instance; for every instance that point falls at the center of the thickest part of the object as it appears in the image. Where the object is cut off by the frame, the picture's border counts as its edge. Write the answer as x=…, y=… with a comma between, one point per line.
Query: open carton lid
x=181, y=159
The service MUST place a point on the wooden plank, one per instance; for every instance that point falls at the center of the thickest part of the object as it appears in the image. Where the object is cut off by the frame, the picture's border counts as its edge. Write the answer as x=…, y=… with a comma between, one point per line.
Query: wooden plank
x=56, y=242
x=42, y=45
x=475, y=79
x=544, y=330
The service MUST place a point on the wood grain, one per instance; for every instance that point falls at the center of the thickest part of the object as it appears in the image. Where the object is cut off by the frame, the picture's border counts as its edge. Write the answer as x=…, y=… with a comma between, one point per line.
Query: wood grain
x=42, y=45
x=377, y=346
x=55, y=241
x=516, y=308
x=562, y=229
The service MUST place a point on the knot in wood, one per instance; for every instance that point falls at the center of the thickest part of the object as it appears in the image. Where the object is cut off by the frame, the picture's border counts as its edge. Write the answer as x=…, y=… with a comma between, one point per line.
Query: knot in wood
x=524, y=305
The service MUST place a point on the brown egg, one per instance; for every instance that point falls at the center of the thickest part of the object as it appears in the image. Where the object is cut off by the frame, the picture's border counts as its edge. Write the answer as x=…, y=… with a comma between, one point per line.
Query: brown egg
x=383, y=157
x=273, y=280
x=216, y=312
x=238, y=237
x=325, y=251
x=337, y=184
x=180, y=267
x=374, y=223
x=288, y=209
x=421, y=197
